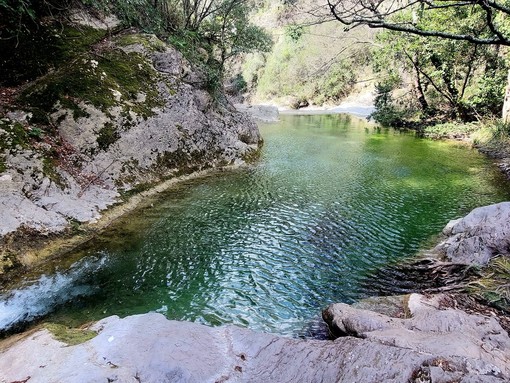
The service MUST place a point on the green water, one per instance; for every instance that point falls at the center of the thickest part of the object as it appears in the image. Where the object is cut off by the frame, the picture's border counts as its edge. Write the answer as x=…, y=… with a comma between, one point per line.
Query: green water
x=268, y=247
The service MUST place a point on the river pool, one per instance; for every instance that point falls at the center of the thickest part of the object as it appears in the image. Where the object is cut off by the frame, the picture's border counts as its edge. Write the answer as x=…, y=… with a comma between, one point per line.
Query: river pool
x=331, y=200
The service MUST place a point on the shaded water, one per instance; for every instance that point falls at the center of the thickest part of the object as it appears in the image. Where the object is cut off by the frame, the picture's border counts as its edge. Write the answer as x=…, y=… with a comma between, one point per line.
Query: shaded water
x=268, y=247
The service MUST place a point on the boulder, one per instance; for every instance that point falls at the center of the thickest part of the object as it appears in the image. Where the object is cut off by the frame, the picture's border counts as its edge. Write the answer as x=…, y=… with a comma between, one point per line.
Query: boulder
x=479, y=236
x=151, y=118
x=442, y=333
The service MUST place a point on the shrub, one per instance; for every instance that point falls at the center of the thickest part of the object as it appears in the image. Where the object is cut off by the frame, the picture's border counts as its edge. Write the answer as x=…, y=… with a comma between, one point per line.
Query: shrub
x=386, y=112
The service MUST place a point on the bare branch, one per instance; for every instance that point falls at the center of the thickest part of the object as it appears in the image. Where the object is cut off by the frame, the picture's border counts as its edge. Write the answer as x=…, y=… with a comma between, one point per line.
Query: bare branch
x=377, y=14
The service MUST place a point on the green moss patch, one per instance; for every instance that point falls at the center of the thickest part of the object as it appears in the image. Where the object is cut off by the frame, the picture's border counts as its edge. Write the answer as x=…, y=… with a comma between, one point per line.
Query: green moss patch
x=106, y=136
x=69, y=336
x=12, y=134
x=184, y=162
x=106, y=80
x=50, y=171
x=149, y=42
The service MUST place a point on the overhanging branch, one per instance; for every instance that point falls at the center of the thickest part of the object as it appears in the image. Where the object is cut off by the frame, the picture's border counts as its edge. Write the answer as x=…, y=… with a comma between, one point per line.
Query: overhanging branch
x=367, y=13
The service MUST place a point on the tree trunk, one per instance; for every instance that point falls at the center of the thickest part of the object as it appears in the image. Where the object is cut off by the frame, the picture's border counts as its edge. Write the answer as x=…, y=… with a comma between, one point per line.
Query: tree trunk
x=506, y=102
x=421, y=94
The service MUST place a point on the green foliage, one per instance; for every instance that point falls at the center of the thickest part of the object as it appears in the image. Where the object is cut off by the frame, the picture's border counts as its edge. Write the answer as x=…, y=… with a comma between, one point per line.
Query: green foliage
x=239, y=84
x=223, y=35
x=191, y=45
x=336, y=83
x=488, y=93
x=36, y=133
x=386, y=112
x=308, y=64
x=451, y=130
x=457, y=78
x=143, y=14
x=294, y=31
x=493, y=137
x=231, y=33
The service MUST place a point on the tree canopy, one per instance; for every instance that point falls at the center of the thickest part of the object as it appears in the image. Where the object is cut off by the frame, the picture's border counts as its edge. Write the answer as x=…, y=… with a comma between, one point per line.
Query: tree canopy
x=491, y=26
x=451, y=48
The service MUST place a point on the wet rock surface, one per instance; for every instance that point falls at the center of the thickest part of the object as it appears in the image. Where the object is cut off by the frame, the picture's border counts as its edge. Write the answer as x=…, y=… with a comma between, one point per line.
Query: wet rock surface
x=149, y=348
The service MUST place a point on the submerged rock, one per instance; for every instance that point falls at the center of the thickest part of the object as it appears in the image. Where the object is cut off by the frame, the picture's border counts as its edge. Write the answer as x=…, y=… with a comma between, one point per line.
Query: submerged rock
x=149, y=348
x=479, y=236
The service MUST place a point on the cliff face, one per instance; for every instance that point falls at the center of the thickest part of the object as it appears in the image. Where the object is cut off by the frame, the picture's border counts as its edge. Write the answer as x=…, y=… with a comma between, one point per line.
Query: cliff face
x=120, y=114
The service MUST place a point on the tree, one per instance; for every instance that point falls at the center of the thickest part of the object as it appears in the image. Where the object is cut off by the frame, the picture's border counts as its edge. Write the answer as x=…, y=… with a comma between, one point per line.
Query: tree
x=487, y=21
x=447, y=75
x=232, y=33
x=380, y=14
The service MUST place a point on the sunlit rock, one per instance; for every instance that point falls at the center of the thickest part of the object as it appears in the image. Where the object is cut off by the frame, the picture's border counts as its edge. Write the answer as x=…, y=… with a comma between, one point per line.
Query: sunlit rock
x=479, y=236
x=149, y=348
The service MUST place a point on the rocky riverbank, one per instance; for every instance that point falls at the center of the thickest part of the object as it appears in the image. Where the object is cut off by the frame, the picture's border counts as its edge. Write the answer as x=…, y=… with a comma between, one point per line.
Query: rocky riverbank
x=121, y=114
x=434, y=345
x=427, y=339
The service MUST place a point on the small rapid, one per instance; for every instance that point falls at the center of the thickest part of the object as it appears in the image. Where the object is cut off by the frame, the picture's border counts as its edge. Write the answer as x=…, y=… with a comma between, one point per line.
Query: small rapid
x=36, y=298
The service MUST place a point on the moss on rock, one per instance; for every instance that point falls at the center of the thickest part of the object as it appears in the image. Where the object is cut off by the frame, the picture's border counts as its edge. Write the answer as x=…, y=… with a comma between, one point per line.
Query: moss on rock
x=69, y=336
x=104, y=77
x=13, y=135
x=149, y=42
x=107, y=136
x=34, y=54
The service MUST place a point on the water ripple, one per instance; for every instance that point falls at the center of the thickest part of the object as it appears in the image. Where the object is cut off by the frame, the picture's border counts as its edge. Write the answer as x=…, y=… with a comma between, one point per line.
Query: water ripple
x=269, y=247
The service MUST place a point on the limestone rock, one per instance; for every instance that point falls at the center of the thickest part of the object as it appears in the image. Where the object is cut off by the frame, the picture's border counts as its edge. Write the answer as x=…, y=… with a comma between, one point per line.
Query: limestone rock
x=479, y=341
x=264, y=113
x=169, y=128
x=479, y=236
x=149, y=348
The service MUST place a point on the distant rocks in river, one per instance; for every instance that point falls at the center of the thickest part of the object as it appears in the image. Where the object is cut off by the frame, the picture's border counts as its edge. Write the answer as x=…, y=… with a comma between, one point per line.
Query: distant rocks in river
x=263, y=113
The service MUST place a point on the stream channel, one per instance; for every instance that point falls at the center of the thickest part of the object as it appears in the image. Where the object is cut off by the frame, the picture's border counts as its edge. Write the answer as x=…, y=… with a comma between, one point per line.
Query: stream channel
x=331, y=200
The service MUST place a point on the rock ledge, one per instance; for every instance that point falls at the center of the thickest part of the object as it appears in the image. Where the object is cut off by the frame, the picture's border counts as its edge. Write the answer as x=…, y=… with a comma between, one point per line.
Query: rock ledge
x=150, y=348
